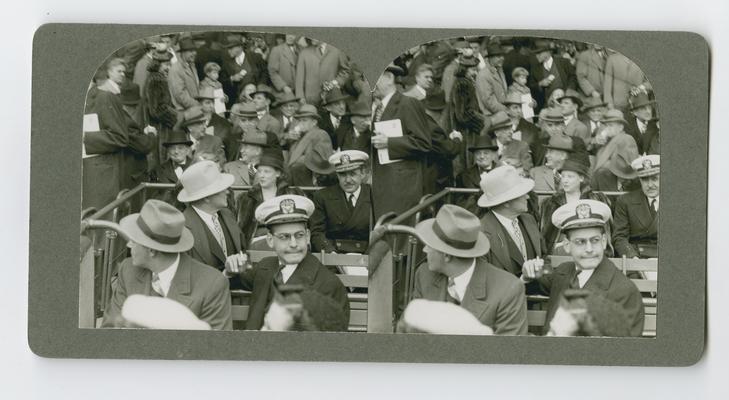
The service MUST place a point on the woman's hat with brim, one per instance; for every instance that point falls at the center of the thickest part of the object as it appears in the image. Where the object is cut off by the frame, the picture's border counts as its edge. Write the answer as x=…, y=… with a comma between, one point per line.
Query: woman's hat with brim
x=333, y=96
x=158, y=226
x=573, y=165
x=455, y=231
x=503, y=184
x=177, y=137
x=201, y=180
x=317, y=160
x=271, y=159
x=483, y=142
x=584, y=213
x=307, y=111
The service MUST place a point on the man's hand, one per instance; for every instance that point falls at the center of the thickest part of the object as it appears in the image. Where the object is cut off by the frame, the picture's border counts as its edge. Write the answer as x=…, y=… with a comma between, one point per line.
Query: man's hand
x=596, y=94
x=379, y=141
x=236, y=264
x=287, y=90
x=150, y=129
x=532, y=269
x=455, y=135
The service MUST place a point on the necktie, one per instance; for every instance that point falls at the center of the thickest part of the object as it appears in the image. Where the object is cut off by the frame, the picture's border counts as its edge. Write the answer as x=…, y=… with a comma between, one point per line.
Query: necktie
x=595, y=126
x=452, y=292
x=557, y=179
x=157, y=285
x=219, y=233
x=653, y=208
x=519, y=238
x=575, y=283
x=335, y=122
x=353, y=202
x=378, y=112
x=278, y=279
x=285, y=123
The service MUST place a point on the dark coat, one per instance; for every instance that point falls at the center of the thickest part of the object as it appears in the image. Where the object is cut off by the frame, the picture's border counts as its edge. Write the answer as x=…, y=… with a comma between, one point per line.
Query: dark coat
x=206, y=248
x=334, y=220
x=504, y=253
x=561, y=69
x=635, y=227
x=493, y=296
x=606, y=280
x=325, y=124
x=646, y=141
x=400, y=185
x=469, y=179
x=256, y=73
x=224, y=130
x=198, y=287
x=310, y=273
x=165, y=173
x=252, y=199
x=347, y=141
x=439, y=173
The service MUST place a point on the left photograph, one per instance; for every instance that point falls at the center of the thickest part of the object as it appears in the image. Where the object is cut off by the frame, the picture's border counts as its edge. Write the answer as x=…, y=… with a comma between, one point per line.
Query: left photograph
x=226, y=185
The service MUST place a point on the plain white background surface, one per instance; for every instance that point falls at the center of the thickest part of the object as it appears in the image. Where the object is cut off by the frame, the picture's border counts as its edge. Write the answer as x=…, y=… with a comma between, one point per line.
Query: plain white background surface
x=25, y=375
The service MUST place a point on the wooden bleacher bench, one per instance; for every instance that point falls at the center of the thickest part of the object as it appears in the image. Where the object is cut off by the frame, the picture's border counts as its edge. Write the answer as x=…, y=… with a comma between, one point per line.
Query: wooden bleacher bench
x=357, y=301
x=648, y=268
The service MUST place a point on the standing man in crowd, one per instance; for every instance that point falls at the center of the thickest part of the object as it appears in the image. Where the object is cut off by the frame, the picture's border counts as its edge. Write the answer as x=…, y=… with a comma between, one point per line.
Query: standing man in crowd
x=623, y=78
x=583, y=222
x=317, y=64
x=282, y=62
x=641, y=125
x=333, y=118
x=457, y=272
x=616, y=154
x=502, y=130
x=636, y=212
x=423, y=82
x=358, y=134
x=570, y=104
x=306, y=136
x=549, y=74
x=590, y=71
x=183, y=79
x=491, y=83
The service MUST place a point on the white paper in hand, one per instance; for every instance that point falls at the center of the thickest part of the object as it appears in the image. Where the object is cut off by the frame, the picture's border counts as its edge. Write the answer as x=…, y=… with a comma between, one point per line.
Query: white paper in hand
x=526, y=106
x=91, y=124
x=391, y=128
x=219, y=104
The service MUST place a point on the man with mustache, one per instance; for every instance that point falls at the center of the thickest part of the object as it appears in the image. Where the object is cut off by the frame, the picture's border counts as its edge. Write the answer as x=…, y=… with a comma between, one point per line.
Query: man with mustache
x=636, y=213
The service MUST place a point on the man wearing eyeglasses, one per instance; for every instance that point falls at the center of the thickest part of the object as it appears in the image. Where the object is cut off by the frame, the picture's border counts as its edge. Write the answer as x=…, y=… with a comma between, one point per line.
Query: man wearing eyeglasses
x=286, y=218
x=583, y=223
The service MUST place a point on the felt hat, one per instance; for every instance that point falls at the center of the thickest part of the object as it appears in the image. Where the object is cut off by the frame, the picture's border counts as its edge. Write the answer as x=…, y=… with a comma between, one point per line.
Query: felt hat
x=245, y=110
x=187, y=45
x=307, y=111
x=613, y=116
x=284, y=209
x=455, y=231
x=503, y=184
x=468, y=60
x=434, y=100
x=177, y=137
x=360, y=109
x=206, y=93
x=541, y=47
x=571, y=94
x=201, y=180
x=440, y=318
x=333, y=96
x=232, y=42
x=494, y=49
x=395, y=70
x=583, y=213
x=158, y=226
x=273, y=159
x=254, y=137
x=512, y=98
x=483, y=142
x=574, y=165
x=551, y=114
x=640, y=100
x=153, y=312
x=647, y=165
x=498, y=121
x=266, y=90
x=348, y=160
x=592, y=102
x=317, y=159
x=130, y=94
x=621, y=167
x=286, y=98
x=560, y=142
x=192, y=115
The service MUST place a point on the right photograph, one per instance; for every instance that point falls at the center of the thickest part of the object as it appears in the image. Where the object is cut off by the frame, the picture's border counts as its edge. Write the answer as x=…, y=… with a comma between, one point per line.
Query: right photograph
x=515, y=191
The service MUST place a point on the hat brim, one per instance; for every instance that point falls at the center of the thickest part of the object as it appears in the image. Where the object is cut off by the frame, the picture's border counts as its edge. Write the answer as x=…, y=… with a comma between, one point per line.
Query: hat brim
x=317, y=170
x=349, y=167
x=573, y=98
x=307, y=115
x=494, y=148
x=519, y=190
x=287, y=219
x=583, y=223
x=334, y=100
x=559, y=148
x=622, y=175
x=279, y=103
x=223, y=182
x=428, y=236
x=494, y=128
x=193, y=122
x=648, y=172
x=646, y=103
x=129, y=225
x=588, y=107
x=187, y=142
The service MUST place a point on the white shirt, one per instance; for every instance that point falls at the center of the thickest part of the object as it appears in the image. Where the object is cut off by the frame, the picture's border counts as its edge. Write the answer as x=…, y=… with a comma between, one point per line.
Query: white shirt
x=384, y=102
x=208, y=219
x=500, y=146
x=461, y=281
x=568, y=118
x=165, y=277
x=507, y=223
x=356, y=132
x=178, y=171
x=584, y=276
x=594, y=125
x=335, y=120
x=240, y=58
x=651, y=199
x=481, y=61
x=287, y=271
x=260, y=114
x=547, y=64
x=642, y=126
x=355, y=193
x=421, y=90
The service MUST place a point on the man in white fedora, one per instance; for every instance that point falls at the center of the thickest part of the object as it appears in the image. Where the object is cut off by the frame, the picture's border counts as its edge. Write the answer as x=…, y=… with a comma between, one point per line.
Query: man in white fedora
x=218, y=239
x=512, y=230
x=159, y=266
x=456, y=272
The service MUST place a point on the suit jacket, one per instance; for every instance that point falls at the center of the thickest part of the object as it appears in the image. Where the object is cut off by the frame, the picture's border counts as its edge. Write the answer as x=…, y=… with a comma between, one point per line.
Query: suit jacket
x=576, y=128
x=325, y=124
x=206, y=248
x=184, y=83
x=299, y=174
x=282, y=67
x=346, y=140
x=643, y=140
x=561, y=68
x=224, y=130
x=439, y=172
x=621, y=148
x=543, y=177
x=197, y=286
x=333, y=219
x=621, y=74
x=313, y=69
x=310, y=273
x=391, y=193
x=501, y=253
x=470, y=179
x=491, y=90
x=590, y=72
x=256, y=73
x=606, y=280
x=529, y=132
x=239, y=170
x=634, y=225
x=493, y=296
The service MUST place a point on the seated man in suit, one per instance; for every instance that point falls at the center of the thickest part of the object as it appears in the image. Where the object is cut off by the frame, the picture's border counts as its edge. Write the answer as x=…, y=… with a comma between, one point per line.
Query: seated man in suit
x=485, y=158
x=512, y=231
x=358, y=133
x=593, y=111
x=286, y=218
x=246, y=119
x=333, y=116
x=159, y=266
x=502, y=130
x=252, y=145
x=457, y=272
x=641, y=125
x=284, y=111
x=570, y=103
x=342, y=213
x=523, y=129
x=636, y=212
x=546, y=178
x=304, y=138
x=215, y=125
x=583, y=223
x=218, y=240
x=179, y=154
x=614, y=158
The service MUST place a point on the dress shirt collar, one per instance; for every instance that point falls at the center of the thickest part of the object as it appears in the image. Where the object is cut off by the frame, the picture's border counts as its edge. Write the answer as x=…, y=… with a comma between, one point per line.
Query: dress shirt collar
x=356, y=194
x=386, y=100
x=547, y=64
x=166, y=276
x=287, y=270
x=461, y=281
x=583, y=276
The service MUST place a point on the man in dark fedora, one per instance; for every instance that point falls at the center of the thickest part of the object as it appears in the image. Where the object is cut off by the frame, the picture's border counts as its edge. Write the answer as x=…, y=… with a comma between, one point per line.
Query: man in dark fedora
x=317, y=161
x=218, y=240
x=183, y=79
x=512, y=231
x=342, y=212
x=303, y=139
x=549, y=73
x=618, y=149
x=570, y=104
x=241, y=68
x=642, y=126
x=523, y=129
x=358, y=133
x=636, y=212
x=491, y=82
x=546, y=178
x=445, y=146
x=333, y=115
x=502, y=130
x=584, y=224
x=246, y=118
x=593, y=110
x=252, y=145
x=159, y=266
x=457, y=272
x=215, y=124
x=284, y=110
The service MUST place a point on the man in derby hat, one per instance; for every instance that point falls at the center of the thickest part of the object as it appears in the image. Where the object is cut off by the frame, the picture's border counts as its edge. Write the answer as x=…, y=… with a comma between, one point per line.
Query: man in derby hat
x=641, y=125
x=305, y=136
x=617, y=151
x=179, y=157
x=636, y=212
x=546, y=178
x=409, y=150
x=252, y=145
x=286, y=218
x=570, y=103
x=358, y=132
x=215, y=124
x=282, y=66
x=333, y=115
x=241, y=67
x=342, y=212
x=491, y=82
x=512, y=231
x=423, y=82
x=584, y=224
x=502, y=130
x=160, y=266
x=183, y=79
x=218, y=240
x=523, y=129
x=194, y=122
x=457, y=272
x=549, y=73
x=486, y=158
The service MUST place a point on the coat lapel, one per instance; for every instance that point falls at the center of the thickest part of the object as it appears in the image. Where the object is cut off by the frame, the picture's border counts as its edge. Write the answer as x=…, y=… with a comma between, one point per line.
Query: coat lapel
x=180, y=288
x=602, y=277
x=474, y=300
x=305, y=273
x=533, y=232
x=492, y=227
x=200, y=230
